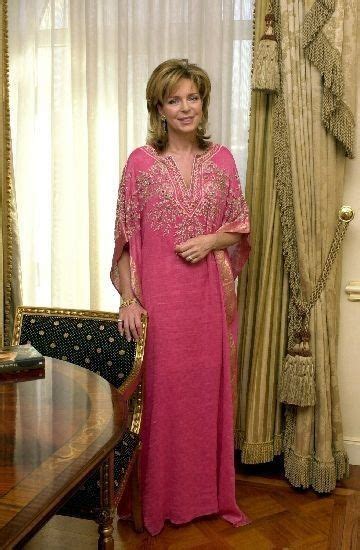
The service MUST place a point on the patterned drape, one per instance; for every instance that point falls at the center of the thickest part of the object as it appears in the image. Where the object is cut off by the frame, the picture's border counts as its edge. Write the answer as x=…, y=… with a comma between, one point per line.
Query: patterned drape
x=318, y=41
x=312, y=131
x=9, y=248
x=262, y=291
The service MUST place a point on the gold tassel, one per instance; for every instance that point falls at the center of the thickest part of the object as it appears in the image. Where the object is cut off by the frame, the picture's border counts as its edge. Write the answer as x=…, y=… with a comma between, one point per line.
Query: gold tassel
x=266, y=76
x=297, y=380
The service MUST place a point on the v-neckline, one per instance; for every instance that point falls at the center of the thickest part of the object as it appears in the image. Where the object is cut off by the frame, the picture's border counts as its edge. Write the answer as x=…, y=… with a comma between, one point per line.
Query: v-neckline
x=187, y=186
x=170, y=161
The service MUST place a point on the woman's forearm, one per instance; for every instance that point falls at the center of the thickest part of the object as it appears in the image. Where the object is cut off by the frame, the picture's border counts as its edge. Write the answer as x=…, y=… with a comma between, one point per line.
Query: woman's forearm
x=130, y=314
x=222, y=240
x=196, y=249
x=124, y=276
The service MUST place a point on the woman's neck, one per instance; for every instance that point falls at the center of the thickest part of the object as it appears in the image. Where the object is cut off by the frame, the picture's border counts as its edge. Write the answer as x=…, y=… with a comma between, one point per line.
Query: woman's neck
x=182, y=144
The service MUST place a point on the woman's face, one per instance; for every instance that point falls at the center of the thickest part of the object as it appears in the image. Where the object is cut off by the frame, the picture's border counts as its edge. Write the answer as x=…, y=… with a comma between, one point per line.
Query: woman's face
x=183, y=108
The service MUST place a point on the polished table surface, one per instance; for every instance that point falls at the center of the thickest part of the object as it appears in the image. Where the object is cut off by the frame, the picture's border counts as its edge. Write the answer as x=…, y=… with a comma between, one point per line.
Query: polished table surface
x=53, y=432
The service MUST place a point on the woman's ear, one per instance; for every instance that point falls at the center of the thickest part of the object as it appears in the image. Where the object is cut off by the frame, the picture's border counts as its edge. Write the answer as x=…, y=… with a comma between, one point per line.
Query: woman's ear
x=160, y=109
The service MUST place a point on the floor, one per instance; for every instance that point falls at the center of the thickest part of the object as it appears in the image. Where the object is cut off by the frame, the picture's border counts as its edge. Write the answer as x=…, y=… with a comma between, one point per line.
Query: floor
x=282, y=517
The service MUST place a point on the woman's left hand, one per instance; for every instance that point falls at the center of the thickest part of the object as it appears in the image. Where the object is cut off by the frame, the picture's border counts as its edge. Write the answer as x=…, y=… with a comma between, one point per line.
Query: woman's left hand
x=196, y=249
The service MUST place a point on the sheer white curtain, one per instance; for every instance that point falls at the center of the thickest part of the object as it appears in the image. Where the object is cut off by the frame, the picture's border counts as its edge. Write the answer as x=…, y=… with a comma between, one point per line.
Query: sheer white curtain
x=78, y=71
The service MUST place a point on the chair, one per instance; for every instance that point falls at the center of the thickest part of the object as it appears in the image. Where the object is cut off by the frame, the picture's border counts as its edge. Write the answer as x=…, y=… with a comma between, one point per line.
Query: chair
x=91, y=339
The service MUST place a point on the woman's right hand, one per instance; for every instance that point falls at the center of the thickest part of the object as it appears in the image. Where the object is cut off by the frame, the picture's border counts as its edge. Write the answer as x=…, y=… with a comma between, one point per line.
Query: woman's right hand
x=130, y=321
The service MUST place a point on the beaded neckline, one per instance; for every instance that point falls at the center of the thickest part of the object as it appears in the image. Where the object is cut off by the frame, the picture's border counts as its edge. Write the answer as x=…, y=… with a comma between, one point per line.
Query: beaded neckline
x=213, y=147
x=174, y=170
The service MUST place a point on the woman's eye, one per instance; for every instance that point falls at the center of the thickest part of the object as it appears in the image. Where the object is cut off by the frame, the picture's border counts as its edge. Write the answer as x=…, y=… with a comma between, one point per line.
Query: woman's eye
x=194, y=98
x=172, y=101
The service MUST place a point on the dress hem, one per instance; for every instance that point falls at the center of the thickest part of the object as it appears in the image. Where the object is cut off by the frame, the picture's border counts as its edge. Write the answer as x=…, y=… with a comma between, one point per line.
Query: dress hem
x=235, y=521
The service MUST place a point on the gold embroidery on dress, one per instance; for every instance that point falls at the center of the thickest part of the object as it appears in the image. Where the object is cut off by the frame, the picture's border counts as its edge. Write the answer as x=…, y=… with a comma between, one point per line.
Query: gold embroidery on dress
x=233, y=369
x=135, y=280
x=126, y=214
x=171, y=206
x=227, y=281
x=229, y=297
x=236, y=207
x=172, y=211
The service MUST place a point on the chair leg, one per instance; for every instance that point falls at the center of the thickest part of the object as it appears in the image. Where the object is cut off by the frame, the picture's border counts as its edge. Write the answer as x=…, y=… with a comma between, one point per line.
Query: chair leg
x=105, y=530
x=105, y=515
x=136, y=497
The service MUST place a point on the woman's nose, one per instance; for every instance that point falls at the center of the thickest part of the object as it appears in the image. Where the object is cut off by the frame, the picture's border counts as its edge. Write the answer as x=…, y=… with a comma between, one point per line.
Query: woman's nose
x=184, y=105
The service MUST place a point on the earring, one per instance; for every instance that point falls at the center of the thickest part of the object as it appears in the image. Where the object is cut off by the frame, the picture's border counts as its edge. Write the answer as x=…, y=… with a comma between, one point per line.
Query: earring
x=164, y=123
x=201, y=126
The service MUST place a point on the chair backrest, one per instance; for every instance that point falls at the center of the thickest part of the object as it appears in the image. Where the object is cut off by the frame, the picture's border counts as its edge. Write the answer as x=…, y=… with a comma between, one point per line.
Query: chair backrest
x=86, y=338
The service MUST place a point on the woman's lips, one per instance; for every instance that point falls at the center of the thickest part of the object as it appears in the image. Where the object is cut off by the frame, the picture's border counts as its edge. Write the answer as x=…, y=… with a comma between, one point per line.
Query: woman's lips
x=187, y=120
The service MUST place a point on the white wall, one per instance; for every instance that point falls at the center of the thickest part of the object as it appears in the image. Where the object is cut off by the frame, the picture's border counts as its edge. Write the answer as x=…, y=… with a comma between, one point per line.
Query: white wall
x=349, y=334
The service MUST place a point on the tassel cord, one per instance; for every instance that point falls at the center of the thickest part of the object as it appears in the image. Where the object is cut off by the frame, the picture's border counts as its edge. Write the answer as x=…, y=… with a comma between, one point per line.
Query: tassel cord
x=266, y=75
x=304, y=307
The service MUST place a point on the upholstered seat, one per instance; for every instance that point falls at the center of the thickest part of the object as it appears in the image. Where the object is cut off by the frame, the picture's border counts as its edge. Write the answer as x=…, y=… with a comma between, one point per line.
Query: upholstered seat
x=91, y=339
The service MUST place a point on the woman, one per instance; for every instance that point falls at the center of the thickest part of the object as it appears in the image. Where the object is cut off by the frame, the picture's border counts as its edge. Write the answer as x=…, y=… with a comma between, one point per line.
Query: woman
x=180, y=239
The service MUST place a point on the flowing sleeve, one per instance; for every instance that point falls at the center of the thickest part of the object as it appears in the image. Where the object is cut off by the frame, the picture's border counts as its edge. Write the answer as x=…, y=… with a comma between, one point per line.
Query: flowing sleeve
x=127, y=234
x=236, y=218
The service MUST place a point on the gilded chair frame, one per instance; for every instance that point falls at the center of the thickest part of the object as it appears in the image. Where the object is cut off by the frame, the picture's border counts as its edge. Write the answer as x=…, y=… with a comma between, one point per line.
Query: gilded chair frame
x=132, y=474
x=137, y=401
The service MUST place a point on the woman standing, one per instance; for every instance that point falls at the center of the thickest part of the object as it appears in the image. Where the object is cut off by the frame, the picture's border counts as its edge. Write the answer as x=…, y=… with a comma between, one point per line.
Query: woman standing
x=180, y=239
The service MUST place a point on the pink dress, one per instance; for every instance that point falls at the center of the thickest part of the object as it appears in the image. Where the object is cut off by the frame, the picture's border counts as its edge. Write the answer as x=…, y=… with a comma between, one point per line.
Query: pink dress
x=187, y=460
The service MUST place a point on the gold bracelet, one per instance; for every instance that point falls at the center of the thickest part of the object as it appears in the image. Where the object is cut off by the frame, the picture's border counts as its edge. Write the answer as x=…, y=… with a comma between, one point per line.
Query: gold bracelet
x=127, y=303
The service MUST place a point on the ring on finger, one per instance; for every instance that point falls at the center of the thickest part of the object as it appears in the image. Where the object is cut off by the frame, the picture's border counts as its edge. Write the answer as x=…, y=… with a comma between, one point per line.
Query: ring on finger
x=189, y=258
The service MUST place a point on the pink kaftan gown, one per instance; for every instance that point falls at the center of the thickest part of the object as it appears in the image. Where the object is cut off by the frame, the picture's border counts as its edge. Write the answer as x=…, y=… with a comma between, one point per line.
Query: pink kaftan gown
x=187, y=457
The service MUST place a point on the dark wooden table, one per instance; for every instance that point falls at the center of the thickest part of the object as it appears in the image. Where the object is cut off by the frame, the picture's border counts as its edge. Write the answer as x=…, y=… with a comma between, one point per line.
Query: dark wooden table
x=53, y=433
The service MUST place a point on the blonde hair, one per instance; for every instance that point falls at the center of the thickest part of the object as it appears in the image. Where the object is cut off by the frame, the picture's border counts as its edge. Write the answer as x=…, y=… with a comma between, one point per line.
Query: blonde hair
x=162, y=82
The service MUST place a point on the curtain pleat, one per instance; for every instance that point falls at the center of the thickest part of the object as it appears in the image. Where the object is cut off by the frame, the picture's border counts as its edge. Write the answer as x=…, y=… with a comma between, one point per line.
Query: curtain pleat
x=9, y=242
x=3, y=176
x=262, y=292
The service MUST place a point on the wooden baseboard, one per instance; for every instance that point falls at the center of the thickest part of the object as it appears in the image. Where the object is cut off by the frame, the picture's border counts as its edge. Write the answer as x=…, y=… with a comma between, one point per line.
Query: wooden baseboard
x=352, y=446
